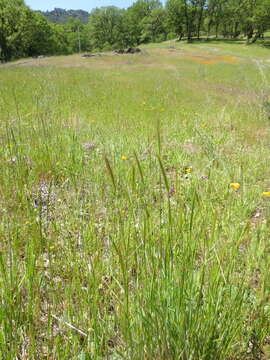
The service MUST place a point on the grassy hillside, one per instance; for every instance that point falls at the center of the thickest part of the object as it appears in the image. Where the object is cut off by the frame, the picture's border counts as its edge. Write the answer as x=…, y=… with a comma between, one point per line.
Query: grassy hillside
x=135, y=205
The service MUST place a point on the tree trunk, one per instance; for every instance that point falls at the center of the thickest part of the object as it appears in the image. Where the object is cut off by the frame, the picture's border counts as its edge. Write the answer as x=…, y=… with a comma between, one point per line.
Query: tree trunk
x=235, y=30
x=4, y=53
x=209, y=29
x=200, y=22
x=256, y=37
x=249, y=34
x=231, y=31
x=188, y=25
x=225, y=30
x=180, y=33
x=189, y=38
x=180, y=36
x=198, y=31
x=217, y=26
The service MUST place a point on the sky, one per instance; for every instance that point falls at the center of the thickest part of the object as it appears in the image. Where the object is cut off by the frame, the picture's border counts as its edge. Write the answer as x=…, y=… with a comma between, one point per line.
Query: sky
x=75, y=4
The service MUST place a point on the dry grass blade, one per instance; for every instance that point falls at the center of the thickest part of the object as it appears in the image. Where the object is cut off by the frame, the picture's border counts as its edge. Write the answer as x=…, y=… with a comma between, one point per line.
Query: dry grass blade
x=108, y=166
x=164, y=175
x=69, y=325
x=139, y=167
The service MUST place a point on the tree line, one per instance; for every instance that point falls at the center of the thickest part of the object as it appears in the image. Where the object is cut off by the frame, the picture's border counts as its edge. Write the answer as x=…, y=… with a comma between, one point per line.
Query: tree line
x=24, y=32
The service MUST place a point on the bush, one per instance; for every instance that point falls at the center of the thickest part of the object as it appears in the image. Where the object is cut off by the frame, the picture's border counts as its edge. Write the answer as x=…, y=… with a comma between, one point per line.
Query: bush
x=171, y=36
x=106, y=47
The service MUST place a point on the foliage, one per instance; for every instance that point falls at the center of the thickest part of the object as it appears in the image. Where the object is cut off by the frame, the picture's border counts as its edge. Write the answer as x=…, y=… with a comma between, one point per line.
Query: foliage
x=105, y=26
x=24, y=32
x=61, y=16
x=153, y=26
x=176, y=17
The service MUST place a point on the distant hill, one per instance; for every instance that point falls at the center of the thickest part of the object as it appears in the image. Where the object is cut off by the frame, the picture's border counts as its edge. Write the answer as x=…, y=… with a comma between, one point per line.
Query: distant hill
x=60, y=16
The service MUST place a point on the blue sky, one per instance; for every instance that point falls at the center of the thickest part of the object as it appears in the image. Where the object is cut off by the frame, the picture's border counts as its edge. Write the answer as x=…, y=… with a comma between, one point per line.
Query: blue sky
x=75, y=4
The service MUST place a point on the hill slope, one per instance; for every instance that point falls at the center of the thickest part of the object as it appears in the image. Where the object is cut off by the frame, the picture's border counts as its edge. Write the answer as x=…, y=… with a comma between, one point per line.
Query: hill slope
x=60, y=16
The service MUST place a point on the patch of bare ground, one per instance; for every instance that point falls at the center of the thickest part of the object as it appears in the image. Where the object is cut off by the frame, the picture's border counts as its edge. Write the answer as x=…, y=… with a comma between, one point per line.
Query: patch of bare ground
x=23, y=62
x=212, y=49
x=226, y=91
x=149, y=57
x=210, y=59
x=204, y=59
x=125, y=62
x=247, y=94
x=78, y=60
x=191, y=148
x=255, y=135
x=157, y=66
x=256, y=218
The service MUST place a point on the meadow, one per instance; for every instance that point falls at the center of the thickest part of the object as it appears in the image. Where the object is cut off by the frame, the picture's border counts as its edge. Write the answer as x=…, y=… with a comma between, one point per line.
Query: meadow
x=135, y=205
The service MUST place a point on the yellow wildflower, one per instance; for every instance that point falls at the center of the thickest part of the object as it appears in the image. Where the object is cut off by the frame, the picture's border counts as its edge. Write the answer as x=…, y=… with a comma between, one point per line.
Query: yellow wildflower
x=123, y=157
x=234, y=186
x=266, y=194
x=188, y=170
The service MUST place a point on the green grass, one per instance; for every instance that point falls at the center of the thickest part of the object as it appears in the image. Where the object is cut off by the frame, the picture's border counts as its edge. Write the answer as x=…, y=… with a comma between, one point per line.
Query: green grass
x=109, y=250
